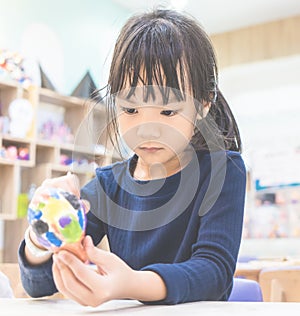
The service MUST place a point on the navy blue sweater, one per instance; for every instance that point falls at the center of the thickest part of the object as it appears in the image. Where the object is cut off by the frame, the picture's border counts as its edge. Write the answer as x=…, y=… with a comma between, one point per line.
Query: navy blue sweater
x=187, y=227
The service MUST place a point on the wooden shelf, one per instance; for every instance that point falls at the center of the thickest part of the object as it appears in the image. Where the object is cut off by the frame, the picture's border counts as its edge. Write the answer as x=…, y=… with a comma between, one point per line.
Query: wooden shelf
x=7, y=141
x=9, y=182
x=8, y=137
x=8, y=162
x=77, y=148
x=53, y=97
x=45, y=156
x=8, y=84
x=21, y=163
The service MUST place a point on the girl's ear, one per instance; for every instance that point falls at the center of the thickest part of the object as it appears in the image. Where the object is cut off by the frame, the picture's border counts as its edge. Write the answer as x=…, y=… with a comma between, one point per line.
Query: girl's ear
x=206, y=109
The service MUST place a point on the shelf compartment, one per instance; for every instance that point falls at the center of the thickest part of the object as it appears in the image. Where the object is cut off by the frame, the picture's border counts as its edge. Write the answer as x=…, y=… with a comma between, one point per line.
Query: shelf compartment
x=19, y=145
x=9, y=91
x=46, y=152
x=9, y=184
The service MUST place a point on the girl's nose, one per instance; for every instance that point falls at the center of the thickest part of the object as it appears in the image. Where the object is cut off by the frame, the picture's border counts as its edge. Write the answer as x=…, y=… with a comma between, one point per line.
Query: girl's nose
x=149, y=131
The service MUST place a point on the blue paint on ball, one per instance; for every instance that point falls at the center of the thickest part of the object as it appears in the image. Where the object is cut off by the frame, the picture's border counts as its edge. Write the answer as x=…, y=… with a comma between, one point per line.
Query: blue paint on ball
x=53, y=239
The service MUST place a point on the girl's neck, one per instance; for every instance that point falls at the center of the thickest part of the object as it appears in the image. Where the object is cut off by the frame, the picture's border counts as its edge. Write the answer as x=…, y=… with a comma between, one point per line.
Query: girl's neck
x=145, y=172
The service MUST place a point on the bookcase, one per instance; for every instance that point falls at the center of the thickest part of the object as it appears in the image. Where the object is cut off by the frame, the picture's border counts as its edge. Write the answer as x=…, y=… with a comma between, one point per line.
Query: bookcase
x=45, y=157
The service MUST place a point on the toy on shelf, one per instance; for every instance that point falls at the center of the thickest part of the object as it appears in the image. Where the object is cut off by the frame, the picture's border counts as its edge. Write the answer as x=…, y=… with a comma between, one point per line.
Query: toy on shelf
x=72, y=160
x=58, y=132
x=13, y=67
x=59, y=222
x=21, y=116
x=15, y=153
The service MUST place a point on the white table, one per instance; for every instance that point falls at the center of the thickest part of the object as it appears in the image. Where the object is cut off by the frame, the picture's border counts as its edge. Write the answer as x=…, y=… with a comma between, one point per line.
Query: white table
x=48, y=307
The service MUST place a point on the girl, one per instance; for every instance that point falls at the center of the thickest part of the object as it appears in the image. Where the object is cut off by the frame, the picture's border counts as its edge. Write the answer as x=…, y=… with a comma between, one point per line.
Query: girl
x=173, y=212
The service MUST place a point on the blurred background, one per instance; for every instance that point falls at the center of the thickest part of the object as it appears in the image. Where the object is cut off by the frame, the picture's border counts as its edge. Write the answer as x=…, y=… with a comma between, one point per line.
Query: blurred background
x=65, y=44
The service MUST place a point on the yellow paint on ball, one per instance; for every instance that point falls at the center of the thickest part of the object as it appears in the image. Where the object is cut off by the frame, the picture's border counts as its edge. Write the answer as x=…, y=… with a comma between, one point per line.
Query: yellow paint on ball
x=55, y=208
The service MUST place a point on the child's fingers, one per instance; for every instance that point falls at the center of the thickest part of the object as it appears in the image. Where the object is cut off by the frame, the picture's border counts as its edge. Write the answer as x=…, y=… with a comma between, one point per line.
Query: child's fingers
x=86, y=205
x=96, y=255
x=73, y=181
x=59, y=275
x=68, y=183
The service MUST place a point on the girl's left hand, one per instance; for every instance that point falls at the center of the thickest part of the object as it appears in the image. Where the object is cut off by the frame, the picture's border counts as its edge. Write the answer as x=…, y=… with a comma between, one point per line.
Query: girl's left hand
x=89, y=287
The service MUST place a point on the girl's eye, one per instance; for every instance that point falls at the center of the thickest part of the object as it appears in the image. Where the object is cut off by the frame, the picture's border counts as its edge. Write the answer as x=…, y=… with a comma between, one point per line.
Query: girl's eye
x=168, y=112
x=129, y=110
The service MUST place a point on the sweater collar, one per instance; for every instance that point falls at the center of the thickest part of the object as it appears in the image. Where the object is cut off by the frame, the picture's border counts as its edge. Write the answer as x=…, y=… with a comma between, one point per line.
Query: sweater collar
x=159, y=187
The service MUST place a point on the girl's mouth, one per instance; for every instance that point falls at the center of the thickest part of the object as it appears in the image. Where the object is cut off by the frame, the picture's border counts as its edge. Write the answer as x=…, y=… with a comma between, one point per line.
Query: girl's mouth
x=150, y=150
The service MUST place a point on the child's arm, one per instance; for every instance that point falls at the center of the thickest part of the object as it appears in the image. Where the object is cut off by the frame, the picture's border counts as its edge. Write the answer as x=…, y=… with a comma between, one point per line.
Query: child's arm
x=114, y=279
x=36, y=272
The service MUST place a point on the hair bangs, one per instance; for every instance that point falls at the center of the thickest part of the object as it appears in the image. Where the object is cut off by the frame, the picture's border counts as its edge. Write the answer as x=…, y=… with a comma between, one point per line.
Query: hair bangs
x=154, y=59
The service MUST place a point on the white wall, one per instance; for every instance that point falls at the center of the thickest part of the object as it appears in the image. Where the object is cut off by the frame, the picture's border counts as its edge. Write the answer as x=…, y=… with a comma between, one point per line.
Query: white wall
x=67, y=37
x=264, y=97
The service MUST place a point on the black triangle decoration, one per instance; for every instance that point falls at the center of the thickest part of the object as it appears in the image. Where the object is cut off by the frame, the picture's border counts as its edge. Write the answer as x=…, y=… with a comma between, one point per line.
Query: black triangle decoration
x=45, y=81
x=85, y=88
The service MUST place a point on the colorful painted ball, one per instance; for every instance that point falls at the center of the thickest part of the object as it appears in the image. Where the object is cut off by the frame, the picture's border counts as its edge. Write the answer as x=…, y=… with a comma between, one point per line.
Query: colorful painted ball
x=58, y=220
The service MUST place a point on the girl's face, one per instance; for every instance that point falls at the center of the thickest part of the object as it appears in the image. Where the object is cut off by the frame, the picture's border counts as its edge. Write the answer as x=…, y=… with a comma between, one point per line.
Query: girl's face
x=158, y=133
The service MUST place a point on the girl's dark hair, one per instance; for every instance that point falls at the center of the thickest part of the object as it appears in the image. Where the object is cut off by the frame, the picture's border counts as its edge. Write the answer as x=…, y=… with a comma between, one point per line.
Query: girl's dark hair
x=171, y=50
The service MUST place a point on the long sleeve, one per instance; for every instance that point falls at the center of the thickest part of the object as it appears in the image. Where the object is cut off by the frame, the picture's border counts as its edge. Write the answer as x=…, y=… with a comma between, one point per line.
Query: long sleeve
x=207, y=274
x=37, y=280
